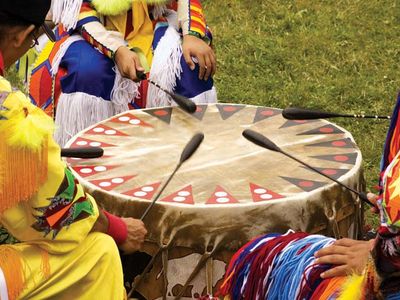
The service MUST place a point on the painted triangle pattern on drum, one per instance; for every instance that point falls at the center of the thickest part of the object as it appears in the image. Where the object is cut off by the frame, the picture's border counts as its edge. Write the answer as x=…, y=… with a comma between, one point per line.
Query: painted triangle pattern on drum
x=304, y=184
x=200, y=112
x=334, y=173
x=227, y=111
x=260, y=193
x=82, y=142
x=130, y=119
x=346, y=158
x=164, y=114
x=342, y=143
x=263, y=113
x=183, y=196
x=85, y=171
x=105, y=130
x=221, y=196
x=111, y=183
x=326, y=129
x=144, y=192
x=291, y=123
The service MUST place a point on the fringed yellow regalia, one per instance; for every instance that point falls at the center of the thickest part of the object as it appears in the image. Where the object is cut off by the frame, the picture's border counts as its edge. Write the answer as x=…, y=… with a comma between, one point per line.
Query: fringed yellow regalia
x=44, y=207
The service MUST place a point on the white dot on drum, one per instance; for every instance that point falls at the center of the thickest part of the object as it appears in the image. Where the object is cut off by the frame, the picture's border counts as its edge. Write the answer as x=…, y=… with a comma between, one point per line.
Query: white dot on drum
x=100, y=168
x=86, y=171
x=183, y=193
x=139, y=194
x=222, y=200
x=221, y=194
x=117, y=180
x=98, y=129
x=110, y=132
x=179, y=199
x=260, y=191
x=81, y=143
x=95, y=144
x=124, y=119
x=105, y=184
x=266, y=196
x=147, y=189
x=135, y=122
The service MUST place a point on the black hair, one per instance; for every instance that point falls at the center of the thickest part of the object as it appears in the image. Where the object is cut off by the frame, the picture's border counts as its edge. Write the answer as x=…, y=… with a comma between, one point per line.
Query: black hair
x=7, y=22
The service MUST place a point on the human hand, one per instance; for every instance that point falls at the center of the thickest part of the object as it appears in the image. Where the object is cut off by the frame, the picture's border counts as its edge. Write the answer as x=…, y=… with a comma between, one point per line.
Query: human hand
x=128, y=63
x=136, y=234
x=349, y=256
x=373, y=199
x=195, y=47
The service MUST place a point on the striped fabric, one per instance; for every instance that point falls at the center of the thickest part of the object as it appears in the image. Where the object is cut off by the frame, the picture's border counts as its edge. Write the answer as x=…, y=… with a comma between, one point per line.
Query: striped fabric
x=197, y=22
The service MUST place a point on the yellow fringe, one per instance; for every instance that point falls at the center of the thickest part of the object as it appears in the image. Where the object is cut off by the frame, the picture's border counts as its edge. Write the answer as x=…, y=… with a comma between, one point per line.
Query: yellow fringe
x=12, y=266
x=45, y=267
x=352, y=288
x=24, y=135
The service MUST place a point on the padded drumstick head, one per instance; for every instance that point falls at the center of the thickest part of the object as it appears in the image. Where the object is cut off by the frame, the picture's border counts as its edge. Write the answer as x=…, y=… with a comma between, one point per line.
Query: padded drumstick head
x=185, y=103
x=191, y=147
x=295, y=113
x=84, y=152
x=260, y=140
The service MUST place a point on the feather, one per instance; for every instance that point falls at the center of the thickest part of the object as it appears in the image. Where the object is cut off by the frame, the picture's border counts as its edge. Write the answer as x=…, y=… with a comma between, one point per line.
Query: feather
x=352, y=288
x=112, y=8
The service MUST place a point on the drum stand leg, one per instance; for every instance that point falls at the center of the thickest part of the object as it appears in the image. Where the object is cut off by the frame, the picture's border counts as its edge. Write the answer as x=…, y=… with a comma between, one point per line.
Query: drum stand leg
x=164, y=258
x=210, y=275
x=136, y=283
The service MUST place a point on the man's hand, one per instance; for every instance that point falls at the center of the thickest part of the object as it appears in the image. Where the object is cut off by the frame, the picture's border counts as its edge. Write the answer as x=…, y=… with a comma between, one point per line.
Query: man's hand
x=136, y=234
x=373, y=199
x=349, y=256
x=195, y=47
x=128, y=63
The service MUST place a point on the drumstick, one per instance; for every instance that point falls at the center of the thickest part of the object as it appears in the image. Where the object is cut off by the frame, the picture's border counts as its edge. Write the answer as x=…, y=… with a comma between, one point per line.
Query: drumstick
x=185, y=103
x=296, y=113
x=264, y=142
x=84, y=152
x=187, y=152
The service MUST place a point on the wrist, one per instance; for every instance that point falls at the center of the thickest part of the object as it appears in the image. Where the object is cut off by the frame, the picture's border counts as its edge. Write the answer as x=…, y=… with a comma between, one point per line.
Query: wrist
x=116, y=228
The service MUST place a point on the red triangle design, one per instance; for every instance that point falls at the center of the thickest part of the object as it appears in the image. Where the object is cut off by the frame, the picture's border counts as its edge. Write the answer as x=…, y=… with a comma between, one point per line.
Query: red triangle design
x=82, y=142
x=111, y=183
x=221, y=196
x=105, y=130
x=130, y=119
x=85, y=171
x=183, y=196
x=260, y=193
x=144, y=192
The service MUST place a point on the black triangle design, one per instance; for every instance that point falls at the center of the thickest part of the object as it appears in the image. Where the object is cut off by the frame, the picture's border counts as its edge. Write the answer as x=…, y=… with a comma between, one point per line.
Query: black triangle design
x=327, y=129
x=342, y=143
x=228, y=110
x=304, y=184
x=331, y=172
x=291, y=123
x=263, y=113
x=345, y=158
x=164, y=114
x=200, y=112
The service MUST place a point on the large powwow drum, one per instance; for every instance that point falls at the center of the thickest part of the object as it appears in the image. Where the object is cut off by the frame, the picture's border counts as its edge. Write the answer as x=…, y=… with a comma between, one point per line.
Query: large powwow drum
x=229, y=192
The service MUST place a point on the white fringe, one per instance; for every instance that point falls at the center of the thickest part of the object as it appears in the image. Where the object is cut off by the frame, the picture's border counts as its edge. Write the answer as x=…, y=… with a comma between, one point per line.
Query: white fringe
x=158, y=11
x=166, y=67
x=78, y=111
x=61, y=52
x=209, y=96
x=66, y=12
x=124, y=91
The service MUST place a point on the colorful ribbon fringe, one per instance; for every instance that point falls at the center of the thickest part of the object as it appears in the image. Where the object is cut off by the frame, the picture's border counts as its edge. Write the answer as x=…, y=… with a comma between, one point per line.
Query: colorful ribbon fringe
x=280, y=267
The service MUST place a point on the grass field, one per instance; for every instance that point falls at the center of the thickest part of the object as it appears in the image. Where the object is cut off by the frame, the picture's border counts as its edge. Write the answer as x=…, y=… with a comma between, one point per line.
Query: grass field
x=341, y=56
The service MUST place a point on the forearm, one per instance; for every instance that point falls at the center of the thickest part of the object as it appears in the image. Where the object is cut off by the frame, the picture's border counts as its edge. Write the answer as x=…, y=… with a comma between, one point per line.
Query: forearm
x=191, y=18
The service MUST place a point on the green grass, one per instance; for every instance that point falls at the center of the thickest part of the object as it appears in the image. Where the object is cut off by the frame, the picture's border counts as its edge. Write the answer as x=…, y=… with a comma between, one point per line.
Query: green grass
x=341, y=56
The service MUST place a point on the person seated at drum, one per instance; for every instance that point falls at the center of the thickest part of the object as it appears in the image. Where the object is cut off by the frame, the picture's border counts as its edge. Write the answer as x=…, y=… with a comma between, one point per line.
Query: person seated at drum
x=63, y=253
x=91, y=65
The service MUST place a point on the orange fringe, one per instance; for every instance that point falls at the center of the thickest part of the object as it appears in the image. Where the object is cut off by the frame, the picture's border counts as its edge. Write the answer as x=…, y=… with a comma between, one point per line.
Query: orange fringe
x=12, y=266
x=22, y=172
x=335, y=285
